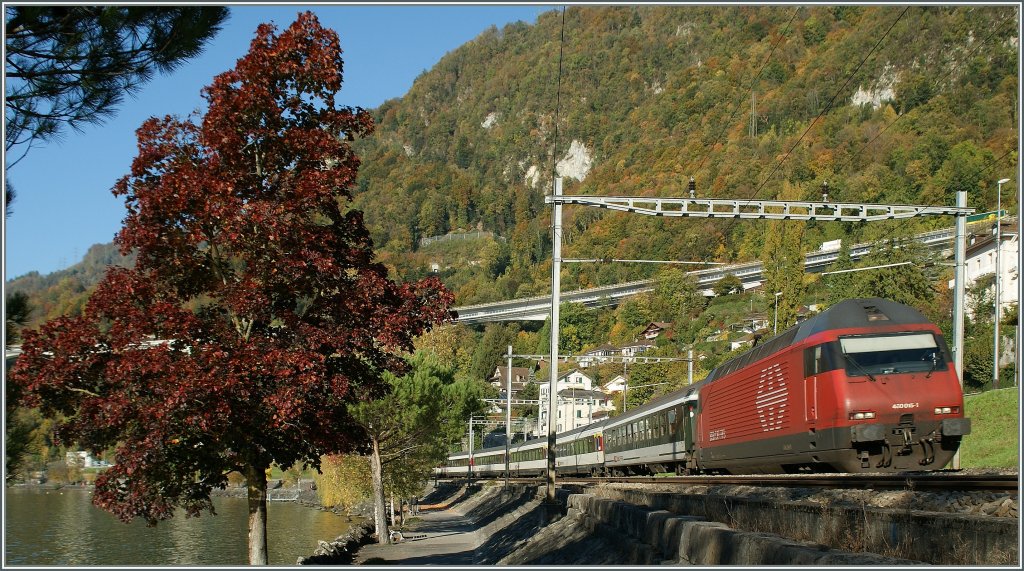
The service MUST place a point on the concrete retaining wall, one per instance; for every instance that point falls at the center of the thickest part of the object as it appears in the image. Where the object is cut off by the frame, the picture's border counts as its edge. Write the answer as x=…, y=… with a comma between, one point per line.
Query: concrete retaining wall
x=662, y=537
x=942, y=539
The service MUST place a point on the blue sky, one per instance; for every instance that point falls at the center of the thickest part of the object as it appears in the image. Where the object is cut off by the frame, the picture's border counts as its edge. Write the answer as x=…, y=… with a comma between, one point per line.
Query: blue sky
x=64, y=204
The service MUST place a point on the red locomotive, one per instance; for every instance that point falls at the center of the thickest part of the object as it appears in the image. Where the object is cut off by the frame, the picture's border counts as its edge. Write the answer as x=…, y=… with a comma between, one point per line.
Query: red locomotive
x=867, y=385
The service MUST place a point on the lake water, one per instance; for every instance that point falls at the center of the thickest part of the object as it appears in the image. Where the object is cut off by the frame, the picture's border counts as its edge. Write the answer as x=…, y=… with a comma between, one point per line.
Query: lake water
x=62, y=527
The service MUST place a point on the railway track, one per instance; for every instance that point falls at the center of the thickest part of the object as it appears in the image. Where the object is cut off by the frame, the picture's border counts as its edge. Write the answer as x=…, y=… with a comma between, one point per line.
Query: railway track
x=925, y=481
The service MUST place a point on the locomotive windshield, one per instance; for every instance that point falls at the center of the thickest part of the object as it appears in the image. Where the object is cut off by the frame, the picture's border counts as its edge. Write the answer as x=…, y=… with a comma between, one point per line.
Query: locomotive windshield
x=889, y=354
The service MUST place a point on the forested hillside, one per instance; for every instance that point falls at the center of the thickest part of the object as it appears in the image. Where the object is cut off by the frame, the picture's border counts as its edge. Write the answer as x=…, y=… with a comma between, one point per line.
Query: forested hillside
x=887, y=104
x=65, y=292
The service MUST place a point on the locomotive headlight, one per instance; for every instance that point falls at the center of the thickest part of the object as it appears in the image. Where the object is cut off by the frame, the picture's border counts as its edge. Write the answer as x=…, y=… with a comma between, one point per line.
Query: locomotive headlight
x=862, y=415
x=944, y=410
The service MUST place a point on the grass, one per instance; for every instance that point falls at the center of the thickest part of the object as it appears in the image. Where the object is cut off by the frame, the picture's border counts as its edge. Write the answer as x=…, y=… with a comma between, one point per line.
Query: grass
x=994, y=440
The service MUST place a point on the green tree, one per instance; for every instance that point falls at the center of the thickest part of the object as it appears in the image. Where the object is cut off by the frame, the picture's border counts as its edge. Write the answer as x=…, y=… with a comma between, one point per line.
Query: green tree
x=676, y=296
x=840, y=286
x=531, y=391
x=19, y=427
x=978, y=346
x=492, y=348
x=72, y=65
x=412, y=427
x=783, y=270
x=17, y=310
x=577, y=329
x=908, y=284
x=729, y=284
x=635, y=311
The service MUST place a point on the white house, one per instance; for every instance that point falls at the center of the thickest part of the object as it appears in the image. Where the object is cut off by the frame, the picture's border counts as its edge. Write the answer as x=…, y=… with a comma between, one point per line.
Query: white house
x=615, y=385
x=597, y=355
x=499, y=379
x=633, y=349
x=751, y=323
x=577, y=401
x=83, y=459
x=747, y=339
x=981, y=260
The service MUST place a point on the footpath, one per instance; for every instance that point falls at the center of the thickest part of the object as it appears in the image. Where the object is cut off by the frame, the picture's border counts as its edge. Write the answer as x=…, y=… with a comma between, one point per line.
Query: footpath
x=445, y=532
x=438, y=538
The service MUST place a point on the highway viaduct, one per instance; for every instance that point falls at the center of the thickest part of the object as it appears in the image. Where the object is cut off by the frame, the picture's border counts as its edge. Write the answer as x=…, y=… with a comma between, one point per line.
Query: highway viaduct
x=538, y=308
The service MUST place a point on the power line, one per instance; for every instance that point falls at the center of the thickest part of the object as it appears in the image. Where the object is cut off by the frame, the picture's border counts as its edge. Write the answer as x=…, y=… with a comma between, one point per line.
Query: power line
x=736, y=108
x=995, y=30
x=558, y=100
x=828, y=107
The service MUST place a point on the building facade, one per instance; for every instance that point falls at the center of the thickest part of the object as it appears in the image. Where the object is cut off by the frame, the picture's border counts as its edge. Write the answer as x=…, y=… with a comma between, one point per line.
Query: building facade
x=577, y=403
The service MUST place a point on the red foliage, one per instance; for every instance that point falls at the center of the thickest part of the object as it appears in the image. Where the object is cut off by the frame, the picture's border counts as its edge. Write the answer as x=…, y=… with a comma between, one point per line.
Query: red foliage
x=257, y=274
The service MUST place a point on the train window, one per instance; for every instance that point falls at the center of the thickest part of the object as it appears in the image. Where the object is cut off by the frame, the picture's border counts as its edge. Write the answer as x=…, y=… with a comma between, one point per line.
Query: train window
x=822, y=358
x=868, y=355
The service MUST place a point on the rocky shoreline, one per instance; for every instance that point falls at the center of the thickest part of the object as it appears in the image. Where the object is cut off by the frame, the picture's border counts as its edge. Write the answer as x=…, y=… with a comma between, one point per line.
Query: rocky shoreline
x=342, y=550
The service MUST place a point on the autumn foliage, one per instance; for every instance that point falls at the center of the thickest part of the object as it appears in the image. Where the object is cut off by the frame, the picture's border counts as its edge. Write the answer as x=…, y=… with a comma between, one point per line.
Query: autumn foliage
x=256, y=280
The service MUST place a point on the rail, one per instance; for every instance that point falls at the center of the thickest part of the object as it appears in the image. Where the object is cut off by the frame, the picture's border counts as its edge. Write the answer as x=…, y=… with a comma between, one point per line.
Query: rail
x=914, y=481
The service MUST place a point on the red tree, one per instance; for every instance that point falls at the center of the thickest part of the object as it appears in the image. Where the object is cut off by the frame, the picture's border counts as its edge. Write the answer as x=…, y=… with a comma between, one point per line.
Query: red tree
x=259, y=278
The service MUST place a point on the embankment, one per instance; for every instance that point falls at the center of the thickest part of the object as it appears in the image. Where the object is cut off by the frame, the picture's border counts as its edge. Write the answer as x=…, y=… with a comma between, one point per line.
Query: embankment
x=515, y=527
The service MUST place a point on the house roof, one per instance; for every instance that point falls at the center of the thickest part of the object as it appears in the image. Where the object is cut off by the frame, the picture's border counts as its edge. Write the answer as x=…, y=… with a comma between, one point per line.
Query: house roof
x=640, y=343
x=984, y=241
x=582, y=394
x=601, y=348
x=565, y=374
x=502, y=373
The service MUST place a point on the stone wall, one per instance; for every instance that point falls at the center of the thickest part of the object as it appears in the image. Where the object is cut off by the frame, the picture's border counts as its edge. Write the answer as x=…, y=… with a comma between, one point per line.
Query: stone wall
x=936, y=538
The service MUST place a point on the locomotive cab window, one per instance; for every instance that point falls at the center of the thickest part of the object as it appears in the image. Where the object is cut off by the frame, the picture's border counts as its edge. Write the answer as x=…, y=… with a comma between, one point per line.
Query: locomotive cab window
x=822, y=358
x=891, y=354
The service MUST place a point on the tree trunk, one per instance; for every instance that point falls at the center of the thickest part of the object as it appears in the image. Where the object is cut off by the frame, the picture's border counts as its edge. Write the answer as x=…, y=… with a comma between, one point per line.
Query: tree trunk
x=256, y=479
x=380, y=521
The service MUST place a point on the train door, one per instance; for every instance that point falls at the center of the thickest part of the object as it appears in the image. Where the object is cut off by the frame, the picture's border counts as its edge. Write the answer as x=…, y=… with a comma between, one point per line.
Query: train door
x=689, y=424
x=811, y=400
x=813, y=364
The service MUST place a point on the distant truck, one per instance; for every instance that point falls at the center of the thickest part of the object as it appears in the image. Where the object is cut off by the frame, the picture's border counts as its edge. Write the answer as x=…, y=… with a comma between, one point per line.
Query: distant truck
x=831, y=245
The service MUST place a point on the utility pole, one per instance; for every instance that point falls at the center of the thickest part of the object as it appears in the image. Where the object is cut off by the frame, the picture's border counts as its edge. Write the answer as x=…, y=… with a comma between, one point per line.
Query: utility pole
x=508, y=415
x=999, y=246
x=469, y=472
x=625, y=385
x=556, y=286
x=960, y=254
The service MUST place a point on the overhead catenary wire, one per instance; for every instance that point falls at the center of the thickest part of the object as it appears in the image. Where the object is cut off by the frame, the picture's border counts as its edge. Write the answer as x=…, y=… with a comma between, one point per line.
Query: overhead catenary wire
x=558, y=102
